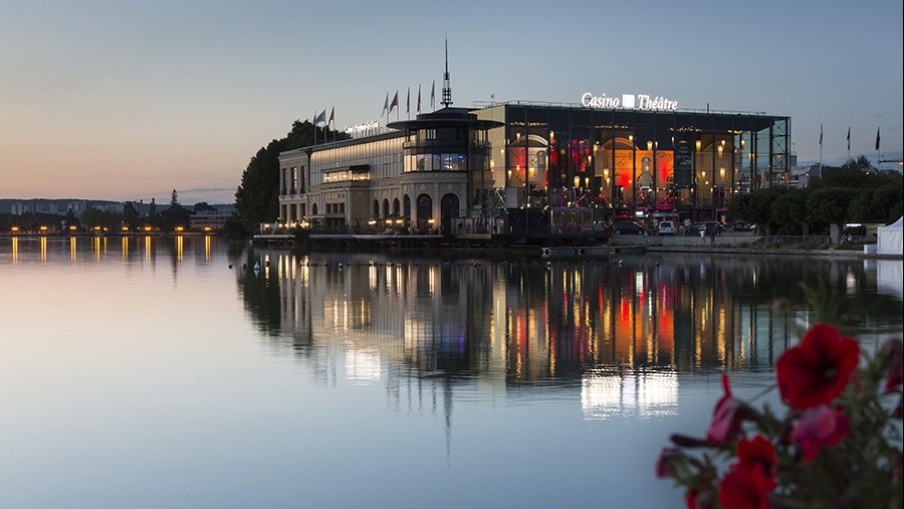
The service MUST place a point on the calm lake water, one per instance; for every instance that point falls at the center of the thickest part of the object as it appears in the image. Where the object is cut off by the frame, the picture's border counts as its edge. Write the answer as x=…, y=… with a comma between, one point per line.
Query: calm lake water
x=157, y=372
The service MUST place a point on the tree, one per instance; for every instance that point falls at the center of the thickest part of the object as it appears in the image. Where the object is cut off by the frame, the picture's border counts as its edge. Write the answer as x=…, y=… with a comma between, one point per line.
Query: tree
x=257, y=197
x=72, y=219
x=758, y=207
x=234, y=228
x=176, y=216
x=831, y=205
x=852, y=174
x=130, y=214
x=203, y=206
x=789, y=211
x=93, y=218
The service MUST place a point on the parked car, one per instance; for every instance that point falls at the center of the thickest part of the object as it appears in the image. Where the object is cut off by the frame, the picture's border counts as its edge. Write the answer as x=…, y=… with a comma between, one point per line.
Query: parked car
x=741, y=226
x=628, y=227
x=667, y=228
x=709, y=227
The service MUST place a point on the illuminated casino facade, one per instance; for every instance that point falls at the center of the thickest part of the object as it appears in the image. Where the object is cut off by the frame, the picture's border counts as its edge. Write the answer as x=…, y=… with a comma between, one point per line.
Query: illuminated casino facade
x=537, y=168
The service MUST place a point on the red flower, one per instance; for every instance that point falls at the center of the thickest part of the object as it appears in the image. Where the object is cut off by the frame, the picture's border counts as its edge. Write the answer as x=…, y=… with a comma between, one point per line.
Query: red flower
x=727, y=416
x=758, y=453
x=816, y=371
x=745, y=488
x=694, y=499
x=690, y=499
x=665, y=464
x=819, y=427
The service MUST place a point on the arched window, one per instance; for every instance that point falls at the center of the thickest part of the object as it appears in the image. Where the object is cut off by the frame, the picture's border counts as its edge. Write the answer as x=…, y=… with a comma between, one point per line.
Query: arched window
x=425, y=212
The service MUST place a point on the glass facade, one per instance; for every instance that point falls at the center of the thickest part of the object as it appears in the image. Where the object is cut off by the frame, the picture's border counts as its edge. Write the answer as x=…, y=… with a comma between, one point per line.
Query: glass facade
x=630, y=162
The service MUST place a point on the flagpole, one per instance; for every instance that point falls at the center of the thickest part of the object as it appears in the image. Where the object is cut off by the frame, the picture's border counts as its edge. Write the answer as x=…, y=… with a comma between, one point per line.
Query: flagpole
x=878, y=152
x=849, y=143
x=820, y=150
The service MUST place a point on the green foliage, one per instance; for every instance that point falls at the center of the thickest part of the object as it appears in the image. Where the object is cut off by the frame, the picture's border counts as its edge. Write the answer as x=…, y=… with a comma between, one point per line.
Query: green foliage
x=130, y=214
x=93, y=218
x=830, y=204
x=853, y=174
x=759, y=208
x=203, y=206
x=234, y=229
x=790, y=212
x=853, y=192
x=29, y=222
x=176, y=216
x=257, y=197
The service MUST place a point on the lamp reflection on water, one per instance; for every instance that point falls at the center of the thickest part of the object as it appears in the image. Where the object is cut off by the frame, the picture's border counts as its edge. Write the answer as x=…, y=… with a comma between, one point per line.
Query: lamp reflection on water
x=180, y=246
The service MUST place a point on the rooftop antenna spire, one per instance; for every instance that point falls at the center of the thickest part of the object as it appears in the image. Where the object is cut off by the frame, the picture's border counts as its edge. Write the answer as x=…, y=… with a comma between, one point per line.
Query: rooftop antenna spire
x=447, y=87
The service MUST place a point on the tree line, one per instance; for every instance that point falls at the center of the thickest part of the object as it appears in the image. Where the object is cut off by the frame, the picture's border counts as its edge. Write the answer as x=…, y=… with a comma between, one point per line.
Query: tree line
x=853, y=193
x=257, y=197
x=169, y=218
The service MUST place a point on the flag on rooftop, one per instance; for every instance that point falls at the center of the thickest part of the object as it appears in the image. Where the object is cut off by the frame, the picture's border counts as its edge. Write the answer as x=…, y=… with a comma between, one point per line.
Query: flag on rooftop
x=395, y=101
x=385, y=105
x=849, y=139
x=332, y=115
x=820, y=135
x=320, y=119
x=877, y=138
x=419, y=99
x=433, y=95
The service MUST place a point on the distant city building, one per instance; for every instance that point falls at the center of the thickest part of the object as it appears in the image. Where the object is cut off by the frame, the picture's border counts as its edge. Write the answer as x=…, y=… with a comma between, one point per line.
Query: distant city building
x=107, y=207
x=802, y=175
x=209, y=220
x=21, y=207
x=77, y=207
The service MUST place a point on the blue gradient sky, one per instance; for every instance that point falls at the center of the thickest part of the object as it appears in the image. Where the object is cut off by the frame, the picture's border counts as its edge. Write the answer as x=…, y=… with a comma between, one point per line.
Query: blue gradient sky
x=127, y=100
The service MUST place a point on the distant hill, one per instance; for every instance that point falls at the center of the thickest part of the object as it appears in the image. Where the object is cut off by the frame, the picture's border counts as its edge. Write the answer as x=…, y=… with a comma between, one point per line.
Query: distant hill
x=873, y=159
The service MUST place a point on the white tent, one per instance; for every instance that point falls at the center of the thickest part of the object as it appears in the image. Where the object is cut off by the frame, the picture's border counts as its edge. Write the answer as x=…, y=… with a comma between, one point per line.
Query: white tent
x=891, y=239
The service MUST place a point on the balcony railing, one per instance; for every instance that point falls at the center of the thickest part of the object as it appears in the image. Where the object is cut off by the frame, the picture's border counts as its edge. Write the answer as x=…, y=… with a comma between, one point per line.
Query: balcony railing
x=446, y=145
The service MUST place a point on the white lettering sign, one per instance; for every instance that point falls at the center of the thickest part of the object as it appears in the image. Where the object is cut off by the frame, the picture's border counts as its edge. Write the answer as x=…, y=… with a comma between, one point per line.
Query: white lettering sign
x=629, y=101
x=365, y=129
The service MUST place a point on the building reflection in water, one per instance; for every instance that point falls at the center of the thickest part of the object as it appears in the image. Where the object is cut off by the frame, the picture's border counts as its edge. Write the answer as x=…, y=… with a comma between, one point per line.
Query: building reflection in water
x=621, y=329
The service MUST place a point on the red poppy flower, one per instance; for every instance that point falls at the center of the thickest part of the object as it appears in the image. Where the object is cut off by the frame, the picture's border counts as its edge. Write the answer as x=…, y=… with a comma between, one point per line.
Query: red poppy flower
x=745, y=488
x=816, y=371
x=758, y=453
x=819, y=427
x=727, y=416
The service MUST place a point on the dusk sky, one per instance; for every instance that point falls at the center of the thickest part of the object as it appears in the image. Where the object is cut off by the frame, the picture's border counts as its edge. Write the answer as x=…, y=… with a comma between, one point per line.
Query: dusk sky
x=125, y=100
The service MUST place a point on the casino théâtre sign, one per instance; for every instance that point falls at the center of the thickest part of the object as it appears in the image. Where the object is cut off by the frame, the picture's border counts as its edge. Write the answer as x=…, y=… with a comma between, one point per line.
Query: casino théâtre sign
x=629, y=102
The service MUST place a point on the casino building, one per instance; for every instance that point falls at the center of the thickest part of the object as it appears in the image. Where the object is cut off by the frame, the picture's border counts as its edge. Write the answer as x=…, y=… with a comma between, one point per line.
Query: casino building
x=535, y=169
